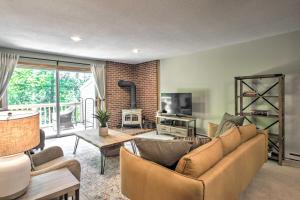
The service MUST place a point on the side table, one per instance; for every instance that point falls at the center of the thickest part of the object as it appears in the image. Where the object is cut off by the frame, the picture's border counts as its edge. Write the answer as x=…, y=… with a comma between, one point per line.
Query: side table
x=51, y=185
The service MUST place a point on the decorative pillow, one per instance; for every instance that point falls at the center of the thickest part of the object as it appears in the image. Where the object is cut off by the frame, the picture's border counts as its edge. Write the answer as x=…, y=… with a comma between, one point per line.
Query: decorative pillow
x=163, y=152
x=196, y=141
x=201, y=159
x=231, y=139
x=247, y=132
x=228, y=121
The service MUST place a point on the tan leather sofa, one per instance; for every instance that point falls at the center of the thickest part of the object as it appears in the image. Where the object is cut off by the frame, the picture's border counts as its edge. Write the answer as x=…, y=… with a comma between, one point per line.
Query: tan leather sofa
x=218, y=170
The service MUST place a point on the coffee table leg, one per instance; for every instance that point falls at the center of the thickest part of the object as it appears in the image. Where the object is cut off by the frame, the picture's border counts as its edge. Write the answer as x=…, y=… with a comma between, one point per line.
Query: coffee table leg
x=102, y=161
x=76, y=144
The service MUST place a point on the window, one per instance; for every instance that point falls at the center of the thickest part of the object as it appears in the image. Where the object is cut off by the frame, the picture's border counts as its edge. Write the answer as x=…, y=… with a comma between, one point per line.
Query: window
x=34, y=87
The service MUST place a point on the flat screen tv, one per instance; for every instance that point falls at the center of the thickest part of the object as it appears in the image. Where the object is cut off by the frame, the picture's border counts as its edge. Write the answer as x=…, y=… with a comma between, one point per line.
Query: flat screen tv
x=176, y=104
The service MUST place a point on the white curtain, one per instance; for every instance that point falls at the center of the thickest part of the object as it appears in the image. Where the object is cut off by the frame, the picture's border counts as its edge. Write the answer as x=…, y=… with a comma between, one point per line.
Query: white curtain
x=98, y=71
x=8, y=62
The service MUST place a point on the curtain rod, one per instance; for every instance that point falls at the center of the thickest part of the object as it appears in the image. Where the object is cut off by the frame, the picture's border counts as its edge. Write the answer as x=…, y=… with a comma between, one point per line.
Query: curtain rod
x=53, y=60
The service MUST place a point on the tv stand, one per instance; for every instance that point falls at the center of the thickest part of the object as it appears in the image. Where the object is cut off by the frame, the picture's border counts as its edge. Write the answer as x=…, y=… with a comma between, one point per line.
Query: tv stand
x=180, y=125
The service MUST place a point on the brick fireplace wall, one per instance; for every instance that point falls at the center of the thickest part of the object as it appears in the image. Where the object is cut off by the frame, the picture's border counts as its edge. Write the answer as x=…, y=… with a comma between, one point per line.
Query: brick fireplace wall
x=146, y=80
x=145, y=76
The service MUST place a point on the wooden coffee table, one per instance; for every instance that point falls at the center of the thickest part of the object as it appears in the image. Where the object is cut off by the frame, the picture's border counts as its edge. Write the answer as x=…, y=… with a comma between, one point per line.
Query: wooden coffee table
x=103, y=143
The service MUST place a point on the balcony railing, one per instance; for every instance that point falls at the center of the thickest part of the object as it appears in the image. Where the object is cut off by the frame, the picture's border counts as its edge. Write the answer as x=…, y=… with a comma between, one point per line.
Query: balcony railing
x=46, y=111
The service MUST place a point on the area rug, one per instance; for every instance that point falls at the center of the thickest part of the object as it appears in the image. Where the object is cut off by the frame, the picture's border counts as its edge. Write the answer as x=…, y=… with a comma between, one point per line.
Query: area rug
x=93, y=185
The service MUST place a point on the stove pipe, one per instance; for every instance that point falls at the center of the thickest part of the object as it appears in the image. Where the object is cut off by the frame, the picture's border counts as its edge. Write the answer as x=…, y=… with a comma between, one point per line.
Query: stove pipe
x=122, y=83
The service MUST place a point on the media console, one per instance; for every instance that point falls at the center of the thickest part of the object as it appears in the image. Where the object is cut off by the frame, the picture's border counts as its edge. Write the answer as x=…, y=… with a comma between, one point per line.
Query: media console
x=176, y=126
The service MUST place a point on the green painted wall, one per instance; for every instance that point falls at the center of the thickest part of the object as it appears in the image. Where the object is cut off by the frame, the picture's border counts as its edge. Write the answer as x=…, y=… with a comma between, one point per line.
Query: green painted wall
x=209, y=76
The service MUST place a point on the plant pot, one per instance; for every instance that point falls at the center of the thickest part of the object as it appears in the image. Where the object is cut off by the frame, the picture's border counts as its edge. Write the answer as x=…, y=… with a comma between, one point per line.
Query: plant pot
x=103, y=131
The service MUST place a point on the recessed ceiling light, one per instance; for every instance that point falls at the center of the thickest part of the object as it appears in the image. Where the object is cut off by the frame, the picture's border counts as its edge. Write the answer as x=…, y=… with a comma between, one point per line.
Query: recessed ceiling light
x=136, y=50
x=75, y=38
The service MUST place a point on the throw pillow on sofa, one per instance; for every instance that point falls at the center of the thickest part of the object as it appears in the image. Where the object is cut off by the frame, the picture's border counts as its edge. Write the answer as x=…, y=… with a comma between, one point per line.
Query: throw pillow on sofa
x=195, y=141
x=228, y=121
x=231, y=139
x=163, y=152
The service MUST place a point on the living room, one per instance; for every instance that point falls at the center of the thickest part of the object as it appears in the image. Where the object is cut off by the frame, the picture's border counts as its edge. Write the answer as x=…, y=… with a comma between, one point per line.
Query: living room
x=149, y=100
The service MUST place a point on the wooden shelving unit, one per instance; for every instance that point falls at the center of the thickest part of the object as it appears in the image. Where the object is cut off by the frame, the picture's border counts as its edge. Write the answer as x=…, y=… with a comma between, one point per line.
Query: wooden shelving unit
x=244, y=84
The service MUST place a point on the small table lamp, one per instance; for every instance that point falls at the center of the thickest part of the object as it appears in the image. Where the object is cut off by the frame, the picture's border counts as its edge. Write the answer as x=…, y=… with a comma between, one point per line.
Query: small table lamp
x=19, y=132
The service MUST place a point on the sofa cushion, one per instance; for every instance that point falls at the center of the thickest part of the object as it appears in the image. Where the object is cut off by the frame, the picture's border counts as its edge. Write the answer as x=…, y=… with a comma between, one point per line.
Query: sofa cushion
x=247, y=132
x=229, y=177
x=212, y=129
x=227, y=123
x=163, y=152
x=201, y=159
x=231, y=139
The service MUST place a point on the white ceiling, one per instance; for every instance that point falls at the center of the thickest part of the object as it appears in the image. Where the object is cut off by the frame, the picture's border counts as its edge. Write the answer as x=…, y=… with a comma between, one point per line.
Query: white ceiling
x=110, y=29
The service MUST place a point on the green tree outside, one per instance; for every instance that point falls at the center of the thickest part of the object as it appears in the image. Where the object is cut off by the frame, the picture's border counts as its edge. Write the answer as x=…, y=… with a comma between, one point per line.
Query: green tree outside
x=38, y=86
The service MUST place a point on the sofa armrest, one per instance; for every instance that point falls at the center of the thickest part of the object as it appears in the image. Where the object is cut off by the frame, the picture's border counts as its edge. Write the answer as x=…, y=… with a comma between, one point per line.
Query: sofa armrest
x=212, y=129
x=72, y=165
x=47, y=155
x=266, y=134
x=142, y=179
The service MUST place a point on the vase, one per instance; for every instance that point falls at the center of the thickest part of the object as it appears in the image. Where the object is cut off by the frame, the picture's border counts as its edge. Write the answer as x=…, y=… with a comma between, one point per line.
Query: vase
x=103, y=131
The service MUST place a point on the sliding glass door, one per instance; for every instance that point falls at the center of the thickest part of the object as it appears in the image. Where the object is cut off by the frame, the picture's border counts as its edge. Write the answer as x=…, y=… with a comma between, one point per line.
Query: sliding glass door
x=74, y=89
x=46, y=89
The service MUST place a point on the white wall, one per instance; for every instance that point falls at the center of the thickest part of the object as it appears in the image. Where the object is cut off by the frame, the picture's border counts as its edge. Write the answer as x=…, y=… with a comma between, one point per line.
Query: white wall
x=209, y=76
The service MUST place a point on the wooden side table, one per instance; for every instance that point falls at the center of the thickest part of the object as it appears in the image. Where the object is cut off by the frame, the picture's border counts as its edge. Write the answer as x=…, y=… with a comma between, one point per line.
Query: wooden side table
x=51, y=185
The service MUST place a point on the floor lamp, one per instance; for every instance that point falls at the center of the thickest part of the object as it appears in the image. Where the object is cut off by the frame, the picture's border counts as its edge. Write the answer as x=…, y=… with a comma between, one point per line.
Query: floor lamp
x=19, y=132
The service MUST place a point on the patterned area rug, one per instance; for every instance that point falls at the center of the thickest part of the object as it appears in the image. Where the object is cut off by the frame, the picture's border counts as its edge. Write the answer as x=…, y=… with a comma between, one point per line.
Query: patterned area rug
x=93, y=185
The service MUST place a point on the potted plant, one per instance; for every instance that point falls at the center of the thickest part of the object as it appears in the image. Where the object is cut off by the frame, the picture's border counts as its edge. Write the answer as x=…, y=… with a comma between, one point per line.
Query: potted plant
x=102, y=116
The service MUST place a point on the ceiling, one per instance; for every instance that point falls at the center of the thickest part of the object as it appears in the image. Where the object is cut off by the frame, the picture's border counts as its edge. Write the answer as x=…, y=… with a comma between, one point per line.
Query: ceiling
x=159, y=28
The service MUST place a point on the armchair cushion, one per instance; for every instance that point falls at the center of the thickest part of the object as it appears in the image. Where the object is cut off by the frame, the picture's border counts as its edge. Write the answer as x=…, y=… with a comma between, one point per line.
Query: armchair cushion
x=47, y=155
x=52, y=159
x=51, y=163
x=62, y=162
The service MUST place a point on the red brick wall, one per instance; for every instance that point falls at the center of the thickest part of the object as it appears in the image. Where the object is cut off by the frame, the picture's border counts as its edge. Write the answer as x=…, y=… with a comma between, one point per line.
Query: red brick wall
x=117, y=98
x=145, y=76
x=146, y=80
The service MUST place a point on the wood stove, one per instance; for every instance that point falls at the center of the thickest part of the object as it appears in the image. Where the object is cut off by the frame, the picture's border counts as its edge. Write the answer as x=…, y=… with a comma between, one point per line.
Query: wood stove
x=132, y=117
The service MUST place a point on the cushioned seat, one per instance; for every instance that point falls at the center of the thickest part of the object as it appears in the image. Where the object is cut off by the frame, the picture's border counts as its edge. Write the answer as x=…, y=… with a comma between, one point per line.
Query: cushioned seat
x=52, y=159
x=220, y=175
x=51, y=163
